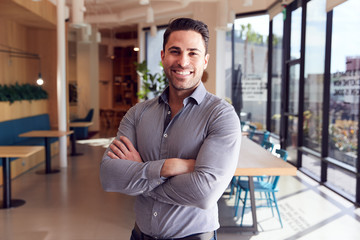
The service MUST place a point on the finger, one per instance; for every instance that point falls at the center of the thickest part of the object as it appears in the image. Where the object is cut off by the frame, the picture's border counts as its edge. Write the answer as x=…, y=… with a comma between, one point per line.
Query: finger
x=112, y=155
x=117, y=151
x=128, y=143
x=120, y=145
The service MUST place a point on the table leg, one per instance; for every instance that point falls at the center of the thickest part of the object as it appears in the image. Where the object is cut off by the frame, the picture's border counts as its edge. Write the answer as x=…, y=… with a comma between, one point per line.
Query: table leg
x=48, y=169
x=253, y=228
x=252, y=202
x=73, y=144
x=7, y=201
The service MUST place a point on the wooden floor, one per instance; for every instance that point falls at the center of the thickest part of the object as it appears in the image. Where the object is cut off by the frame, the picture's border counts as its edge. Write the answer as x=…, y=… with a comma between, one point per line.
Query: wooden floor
x=71, y=205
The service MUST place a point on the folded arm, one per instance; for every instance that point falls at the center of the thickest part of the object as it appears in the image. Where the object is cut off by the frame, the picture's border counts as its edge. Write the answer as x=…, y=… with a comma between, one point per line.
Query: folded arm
x=215, y=165
x=123, y=170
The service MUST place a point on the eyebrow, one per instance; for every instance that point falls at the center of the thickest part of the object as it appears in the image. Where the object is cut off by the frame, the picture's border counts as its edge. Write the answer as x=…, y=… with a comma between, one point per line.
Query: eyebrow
x=179, y=49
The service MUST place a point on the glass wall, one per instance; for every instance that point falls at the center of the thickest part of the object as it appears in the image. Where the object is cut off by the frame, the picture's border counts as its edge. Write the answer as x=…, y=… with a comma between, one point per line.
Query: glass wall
x=314, y=82
x=344, y=89
x=251, y=34
x=295, y=33
x=154, y=46
x=314, y=73
x=278, y=26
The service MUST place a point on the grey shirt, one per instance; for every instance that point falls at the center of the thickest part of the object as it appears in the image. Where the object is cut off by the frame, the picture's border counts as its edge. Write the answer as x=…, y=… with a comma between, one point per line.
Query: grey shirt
x=206, y=129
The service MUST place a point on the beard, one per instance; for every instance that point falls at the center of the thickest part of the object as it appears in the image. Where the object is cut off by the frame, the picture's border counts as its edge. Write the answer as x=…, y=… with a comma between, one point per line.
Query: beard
x=186, y=83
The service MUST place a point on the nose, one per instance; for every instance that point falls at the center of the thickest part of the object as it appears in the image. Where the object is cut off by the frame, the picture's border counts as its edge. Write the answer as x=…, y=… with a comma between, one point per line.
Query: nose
x=183, y=60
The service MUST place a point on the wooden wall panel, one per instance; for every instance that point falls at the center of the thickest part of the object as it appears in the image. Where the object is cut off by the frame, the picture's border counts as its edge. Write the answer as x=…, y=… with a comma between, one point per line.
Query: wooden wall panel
x=12, y=37
x=44, y=43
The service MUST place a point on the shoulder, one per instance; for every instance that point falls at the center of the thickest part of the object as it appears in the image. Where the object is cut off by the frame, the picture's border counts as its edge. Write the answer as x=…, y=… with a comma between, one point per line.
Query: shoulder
x=216, y=103
x=221, y=110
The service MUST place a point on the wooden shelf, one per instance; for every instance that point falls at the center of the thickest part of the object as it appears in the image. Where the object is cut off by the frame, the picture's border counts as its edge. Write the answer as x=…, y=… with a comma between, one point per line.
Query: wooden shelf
x=124, y=77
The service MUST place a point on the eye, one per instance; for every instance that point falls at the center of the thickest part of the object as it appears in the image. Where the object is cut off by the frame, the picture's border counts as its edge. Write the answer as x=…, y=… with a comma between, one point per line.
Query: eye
x=175, y=52
x=193, y=54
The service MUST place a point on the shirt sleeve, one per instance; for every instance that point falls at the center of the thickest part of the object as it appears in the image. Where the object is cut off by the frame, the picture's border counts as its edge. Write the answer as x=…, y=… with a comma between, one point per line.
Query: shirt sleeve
x=128, y=177
x=215, y=166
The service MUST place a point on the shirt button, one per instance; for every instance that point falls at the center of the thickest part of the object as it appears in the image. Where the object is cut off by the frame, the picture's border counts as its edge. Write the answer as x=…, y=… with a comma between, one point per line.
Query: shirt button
x=155, y=214
x=165, y=135
x=169, y=112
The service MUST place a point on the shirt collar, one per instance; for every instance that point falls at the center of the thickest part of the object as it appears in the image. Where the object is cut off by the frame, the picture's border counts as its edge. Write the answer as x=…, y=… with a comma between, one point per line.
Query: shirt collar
x=198, y=95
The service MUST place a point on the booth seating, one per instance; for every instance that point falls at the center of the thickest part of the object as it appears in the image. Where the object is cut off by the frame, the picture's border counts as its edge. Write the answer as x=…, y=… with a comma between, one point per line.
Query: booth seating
x=82, y=132
x=9, y=135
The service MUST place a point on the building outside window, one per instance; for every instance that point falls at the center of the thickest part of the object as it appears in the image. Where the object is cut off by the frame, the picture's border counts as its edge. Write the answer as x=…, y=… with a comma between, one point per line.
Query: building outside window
x=314, y=81
x=250, y=59
x=344, y=93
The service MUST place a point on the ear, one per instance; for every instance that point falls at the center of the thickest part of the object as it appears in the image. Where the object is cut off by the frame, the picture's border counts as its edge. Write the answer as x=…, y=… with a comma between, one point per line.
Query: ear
x=206, y=60
x=162, y=55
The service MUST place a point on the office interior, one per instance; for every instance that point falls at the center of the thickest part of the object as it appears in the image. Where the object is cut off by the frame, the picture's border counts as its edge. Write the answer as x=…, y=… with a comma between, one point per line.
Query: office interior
x=291, y=67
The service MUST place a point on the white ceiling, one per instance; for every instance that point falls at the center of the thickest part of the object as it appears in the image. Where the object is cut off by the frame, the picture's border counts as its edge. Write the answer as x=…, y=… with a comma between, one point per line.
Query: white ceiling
x=114, y=13
x=124, y=15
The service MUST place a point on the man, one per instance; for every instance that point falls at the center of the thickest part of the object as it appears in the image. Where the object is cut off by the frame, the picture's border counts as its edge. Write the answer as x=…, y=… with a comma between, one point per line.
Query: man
x=178, y=152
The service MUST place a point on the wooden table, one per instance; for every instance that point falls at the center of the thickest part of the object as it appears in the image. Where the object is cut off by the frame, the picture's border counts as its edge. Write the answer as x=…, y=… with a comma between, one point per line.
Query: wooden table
x=256, y=161
x=47, y=135
x=73, y=136
x=7, y=152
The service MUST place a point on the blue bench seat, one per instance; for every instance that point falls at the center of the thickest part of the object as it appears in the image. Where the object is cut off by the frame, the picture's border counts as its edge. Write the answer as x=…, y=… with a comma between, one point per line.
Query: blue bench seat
x=10, y=130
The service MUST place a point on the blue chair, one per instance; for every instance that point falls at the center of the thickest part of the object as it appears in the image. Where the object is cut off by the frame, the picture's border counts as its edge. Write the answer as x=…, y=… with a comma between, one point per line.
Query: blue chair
x=266, y=137
x=82, y=132
x=233, y=185
x=268, y=146
x=252, y=131
x=243, y=123
x=269, y=187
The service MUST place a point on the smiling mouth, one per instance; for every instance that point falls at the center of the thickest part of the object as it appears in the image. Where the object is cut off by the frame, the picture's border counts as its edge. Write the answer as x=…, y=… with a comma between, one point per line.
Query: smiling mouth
x=183, y=73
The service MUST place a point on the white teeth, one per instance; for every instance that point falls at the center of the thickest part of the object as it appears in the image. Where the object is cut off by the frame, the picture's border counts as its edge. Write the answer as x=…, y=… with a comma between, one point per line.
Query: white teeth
x=182, y=73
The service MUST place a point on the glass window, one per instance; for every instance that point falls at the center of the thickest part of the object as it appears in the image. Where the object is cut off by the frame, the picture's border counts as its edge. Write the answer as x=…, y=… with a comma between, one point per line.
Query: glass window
x=251, y=63
x=154, y=46
x=295, y=36
x=311, y=164
x=345, y=84
x=277, y=52
x=292, y=119
x=314, y=73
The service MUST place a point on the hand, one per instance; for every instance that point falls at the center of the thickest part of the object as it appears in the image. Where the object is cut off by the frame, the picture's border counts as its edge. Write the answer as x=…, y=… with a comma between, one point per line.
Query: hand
x=177, y=166
x=124, y=149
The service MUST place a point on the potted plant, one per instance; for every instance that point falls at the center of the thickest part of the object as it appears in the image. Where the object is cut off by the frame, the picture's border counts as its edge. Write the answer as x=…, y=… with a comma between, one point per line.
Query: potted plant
x=152, y=84
x=19, y=92
x=22, y=100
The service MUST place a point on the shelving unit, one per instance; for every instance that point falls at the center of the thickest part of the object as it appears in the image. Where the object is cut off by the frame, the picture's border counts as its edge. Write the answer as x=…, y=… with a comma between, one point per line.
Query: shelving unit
x=124, y=77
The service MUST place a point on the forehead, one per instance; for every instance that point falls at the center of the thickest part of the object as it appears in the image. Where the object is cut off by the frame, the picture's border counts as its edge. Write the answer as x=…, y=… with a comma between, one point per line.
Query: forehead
x=186, y=40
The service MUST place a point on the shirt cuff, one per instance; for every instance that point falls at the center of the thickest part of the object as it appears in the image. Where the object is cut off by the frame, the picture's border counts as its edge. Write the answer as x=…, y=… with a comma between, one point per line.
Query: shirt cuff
x=153, y=173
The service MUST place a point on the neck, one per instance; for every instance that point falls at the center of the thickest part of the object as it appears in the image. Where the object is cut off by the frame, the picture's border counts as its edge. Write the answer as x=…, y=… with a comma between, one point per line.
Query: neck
x=176, y=99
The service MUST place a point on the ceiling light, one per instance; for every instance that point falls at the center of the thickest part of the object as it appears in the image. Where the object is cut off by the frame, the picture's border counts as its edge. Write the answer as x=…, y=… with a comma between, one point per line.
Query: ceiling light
x=40, y=81
x=150, y=15
x=153, y=30
x=144, y=2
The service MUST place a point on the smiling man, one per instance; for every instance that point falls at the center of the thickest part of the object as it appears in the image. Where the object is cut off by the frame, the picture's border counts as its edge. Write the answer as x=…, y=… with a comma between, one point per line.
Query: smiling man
x=177, y=152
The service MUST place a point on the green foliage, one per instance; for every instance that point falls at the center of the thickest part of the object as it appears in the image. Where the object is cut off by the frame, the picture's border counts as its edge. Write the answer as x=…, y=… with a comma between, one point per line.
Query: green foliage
x=17, y=92
x=249, y=35
x=151, y=83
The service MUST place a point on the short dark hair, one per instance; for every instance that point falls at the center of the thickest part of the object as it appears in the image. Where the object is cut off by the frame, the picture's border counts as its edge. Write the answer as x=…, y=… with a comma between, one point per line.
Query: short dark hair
x=185, y=24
